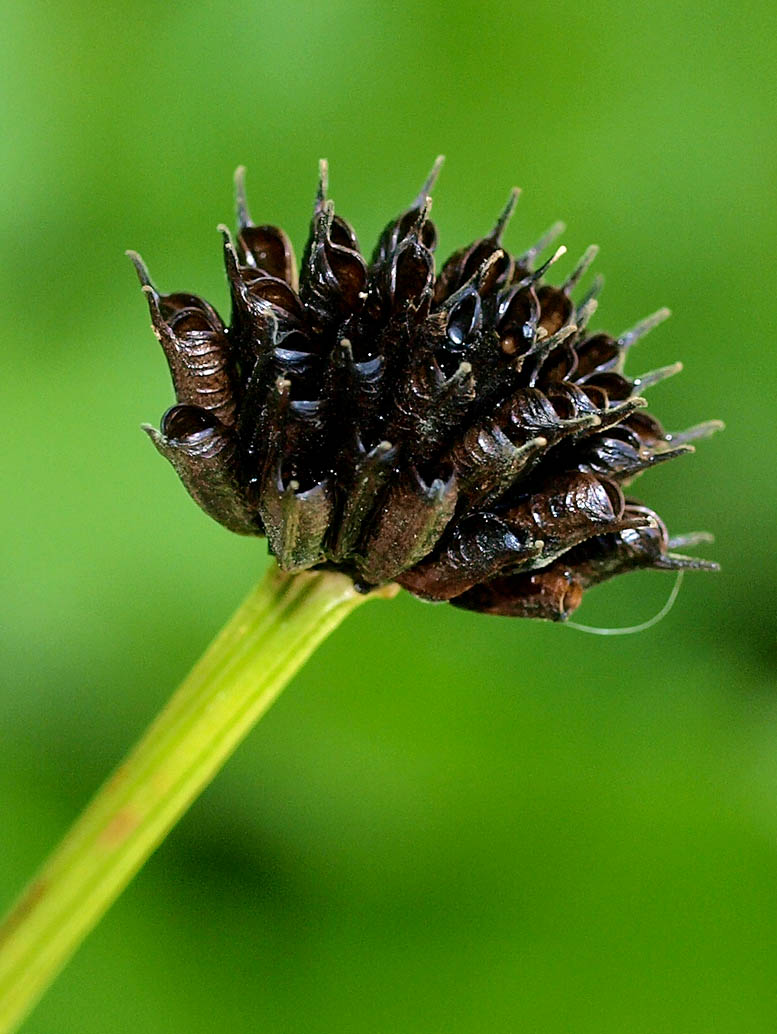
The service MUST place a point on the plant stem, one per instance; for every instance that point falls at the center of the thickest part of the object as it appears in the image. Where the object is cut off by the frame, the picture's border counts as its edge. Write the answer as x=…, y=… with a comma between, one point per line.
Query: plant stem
x=269, y=637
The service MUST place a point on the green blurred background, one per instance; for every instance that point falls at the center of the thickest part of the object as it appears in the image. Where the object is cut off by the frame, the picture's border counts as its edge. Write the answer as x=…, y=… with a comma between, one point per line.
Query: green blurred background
x=449, y=823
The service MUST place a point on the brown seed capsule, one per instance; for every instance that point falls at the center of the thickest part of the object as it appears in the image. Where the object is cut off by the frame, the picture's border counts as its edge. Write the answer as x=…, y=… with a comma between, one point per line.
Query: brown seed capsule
x=462, y=434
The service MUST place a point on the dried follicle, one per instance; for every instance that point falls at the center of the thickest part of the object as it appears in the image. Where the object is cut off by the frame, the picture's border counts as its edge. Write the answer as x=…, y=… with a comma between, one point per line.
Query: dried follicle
x=460, y=431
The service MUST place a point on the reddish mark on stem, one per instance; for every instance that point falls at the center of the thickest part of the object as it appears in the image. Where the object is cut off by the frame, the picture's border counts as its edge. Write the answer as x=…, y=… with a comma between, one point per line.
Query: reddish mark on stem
x=22, y=909
x=120, y=827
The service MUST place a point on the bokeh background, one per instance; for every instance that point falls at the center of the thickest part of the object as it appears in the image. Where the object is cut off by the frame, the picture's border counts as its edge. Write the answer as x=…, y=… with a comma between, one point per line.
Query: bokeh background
x=449, y=823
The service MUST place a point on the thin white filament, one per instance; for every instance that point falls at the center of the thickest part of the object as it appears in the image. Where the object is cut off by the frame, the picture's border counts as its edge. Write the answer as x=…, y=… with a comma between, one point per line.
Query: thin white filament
x=633, y=629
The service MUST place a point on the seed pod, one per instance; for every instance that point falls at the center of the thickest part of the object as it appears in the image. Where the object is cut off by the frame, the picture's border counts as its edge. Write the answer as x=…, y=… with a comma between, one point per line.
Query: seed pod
x=297, y=521
x=266, y=247
x=371, y=472
x=204, y=454
x=551, y=594
x=476, y=549
x=414, y=515
x=195, y=344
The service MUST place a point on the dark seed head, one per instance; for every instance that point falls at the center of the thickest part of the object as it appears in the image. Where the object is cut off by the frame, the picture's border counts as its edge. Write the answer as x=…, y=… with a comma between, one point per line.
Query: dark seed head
x=461, y=432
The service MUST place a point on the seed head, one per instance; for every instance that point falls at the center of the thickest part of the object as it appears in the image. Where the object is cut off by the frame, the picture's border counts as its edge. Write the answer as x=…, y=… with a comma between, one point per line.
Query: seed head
x=461, y=433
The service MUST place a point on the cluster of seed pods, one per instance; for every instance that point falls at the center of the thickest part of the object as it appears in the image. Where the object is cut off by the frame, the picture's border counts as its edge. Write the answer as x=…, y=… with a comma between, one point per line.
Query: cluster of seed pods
x=461, y=433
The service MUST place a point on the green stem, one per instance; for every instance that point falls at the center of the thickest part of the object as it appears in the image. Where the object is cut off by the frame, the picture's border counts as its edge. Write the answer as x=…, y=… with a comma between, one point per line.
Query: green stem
x=243, y=671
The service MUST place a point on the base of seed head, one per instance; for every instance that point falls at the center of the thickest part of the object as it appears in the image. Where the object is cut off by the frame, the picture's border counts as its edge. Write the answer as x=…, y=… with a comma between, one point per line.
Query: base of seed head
x=460, y=432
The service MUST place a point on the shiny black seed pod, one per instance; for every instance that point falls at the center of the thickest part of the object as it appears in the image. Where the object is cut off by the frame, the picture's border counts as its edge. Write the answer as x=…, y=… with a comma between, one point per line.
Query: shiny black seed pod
x=460, y=432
